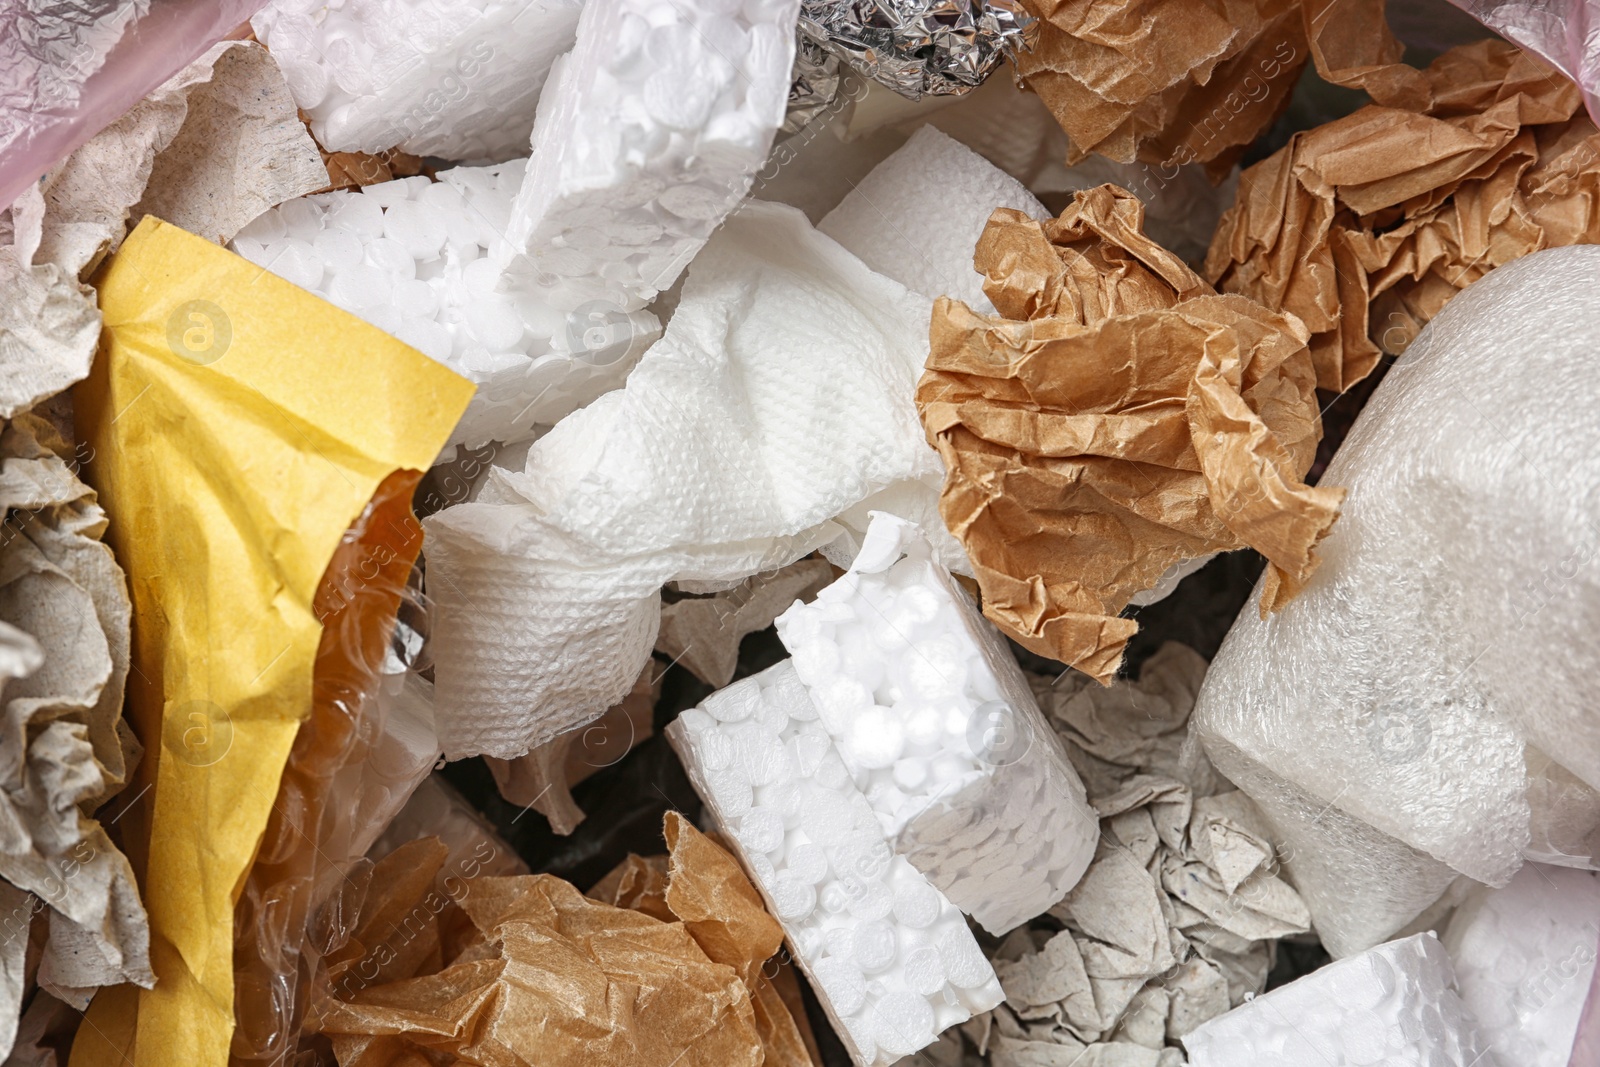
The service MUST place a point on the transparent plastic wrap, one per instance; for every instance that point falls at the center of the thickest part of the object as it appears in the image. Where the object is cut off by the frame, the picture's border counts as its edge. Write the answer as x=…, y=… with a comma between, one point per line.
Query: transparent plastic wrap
x=69, y=69
x=890, y=958
x=937, y=725
x=1524, y=959
x=1564, y=33
x=1395, y=1004
x=366, y=746
x=1442, y=635
x=445, y=78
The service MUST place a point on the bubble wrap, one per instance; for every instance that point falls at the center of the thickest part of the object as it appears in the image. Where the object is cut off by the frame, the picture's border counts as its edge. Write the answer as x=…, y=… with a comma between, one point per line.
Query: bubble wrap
x=459, y=79
x=942, y=47
x=777, y=401
x=891, y=960
x=1524, y=957
x=939, y=729
x=1394, y=1005
x=410, y=257
x=918, y=216
x=652, y=131
x=1440, y=634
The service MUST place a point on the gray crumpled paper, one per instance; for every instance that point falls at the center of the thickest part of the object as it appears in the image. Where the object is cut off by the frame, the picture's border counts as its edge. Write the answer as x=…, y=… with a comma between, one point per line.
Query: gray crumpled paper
x=1168, y=927
x=64, y=747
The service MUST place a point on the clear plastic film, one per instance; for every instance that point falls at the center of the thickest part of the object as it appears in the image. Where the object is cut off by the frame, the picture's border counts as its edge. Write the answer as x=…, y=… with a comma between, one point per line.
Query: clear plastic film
x=1561, y=32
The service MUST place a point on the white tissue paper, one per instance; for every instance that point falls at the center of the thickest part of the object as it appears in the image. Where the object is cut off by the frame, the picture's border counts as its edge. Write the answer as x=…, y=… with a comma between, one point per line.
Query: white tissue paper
x=890, y=958
x=1395, y=1005
x=411, y=257
x=652, y=130
x=1524, y=957
x=887, y=219
x=1403, y=688
x=449, y=78
x=780, y=396
x=939, y=729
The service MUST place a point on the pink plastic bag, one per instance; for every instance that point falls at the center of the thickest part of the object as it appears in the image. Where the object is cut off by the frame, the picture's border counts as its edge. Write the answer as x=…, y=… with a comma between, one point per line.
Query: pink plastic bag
x=68, y=68
x=1565, y=33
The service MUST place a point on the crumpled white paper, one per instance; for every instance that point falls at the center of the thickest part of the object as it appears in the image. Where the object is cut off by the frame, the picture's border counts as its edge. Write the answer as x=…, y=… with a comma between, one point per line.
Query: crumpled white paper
x=780, y=396
x=64, y=748
x=1168, y=927
x=703, y=633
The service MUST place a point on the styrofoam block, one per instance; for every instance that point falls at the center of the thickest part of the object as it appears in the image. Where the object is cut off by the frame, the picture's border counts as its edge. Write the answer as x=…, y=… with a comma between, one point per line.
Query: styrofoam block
x=918, y=216
x=458, y=79
x=1394, y=1005
x=650, y=133
x=890, y=959
x=1442, y=634
x=1524, y=958
x=780, y=397
x=939, y=729
x=410, y=257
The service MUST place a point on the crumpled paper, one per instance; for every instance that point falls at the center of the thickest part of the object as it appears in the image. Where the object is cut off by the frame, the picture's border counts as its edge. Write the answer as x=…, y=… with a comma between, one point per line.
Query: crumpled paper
x=545, y=973
x=1365, y=227
x=211, y=372
x=779, y=398
x=1170, y=924
x=49, y=324
x=64, y=618
x=212, y=148
x=703, y=633
x=1165, y=81
x=543, y=779
x=1074, y=483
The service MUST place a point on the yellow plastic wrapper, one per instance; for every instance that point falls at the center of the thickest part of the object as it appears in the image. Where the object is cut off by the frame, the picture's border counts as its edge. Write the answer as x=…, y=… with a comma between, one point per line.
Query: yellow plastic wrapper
x=239, y=426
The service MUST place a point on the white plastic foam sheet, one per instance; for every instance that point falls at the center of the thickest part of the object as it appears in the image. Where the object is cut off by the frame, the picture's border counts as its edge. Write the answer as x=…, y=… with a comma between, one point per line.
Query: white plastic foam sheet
x=938, y=727
x=651, y=131
x=458, y=79
x=918, y=216
x=1395, y=1005
x=890, y=958
x=412, y=257
x=779, y=397
x=1524, y=957
x=1449, y=625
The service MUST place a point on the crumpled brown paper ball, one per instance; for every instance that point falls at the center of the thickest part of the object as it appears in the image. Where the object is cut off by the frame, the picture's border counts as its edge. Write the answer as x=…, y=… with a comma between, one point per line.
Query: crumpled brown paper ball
x=1115, y=418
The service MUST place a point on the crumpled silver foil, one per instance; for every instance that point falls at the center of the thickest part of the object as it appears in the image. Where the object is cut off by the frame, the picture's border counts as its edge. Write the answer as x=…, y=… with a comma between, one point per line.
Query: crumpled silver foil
x=917, y=47
x=814, y=84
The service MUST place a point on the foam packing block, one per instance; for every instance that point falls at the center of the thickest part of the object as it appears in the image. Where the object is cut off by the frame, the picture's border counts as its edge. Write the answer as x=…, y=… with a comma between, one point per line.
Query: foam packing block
x=411, y=257
x=650, y=132
x=458, y=79
x=940, y=731
x=918, y=215
x=778, y=400
x=890, y=958
x=1524, y=958
x=1442, y=646
x=1394, y=1005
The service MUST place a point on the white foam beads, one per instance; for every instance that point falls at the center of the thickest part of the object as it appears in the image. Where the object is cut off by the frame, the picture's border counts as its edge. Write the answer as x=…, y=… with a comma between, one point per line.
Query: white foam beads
x=1394, y=1005
x=890, y=958
x=1524, y=959
x=650, y=132
x=458, y=79
x=410, y=257
x=937, y=727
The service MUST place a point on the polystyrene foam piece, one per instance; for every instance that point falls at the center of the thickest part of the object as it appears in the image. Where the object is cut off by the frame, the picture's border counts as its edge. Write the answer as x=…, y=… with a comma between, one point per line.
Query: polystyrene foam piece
x=1394, y=1005
x=452, y=78
x=1524, y=958
x=410, y=257
x=937, y=725
x=652, y=129
x=1443, y=630
x=891, y=959
x=779, y=397
x=918, y=216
